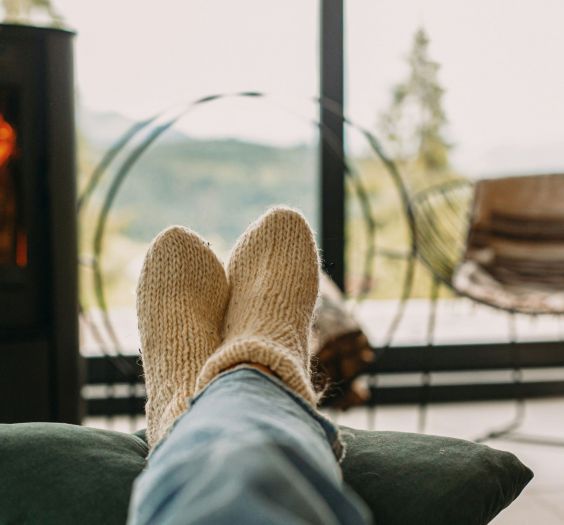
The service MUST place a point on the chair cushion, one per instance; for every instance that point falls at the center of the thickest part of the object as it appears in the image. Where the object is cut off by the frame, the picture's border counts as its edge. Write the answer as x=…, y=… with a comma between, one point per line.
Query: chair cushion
x=514, y=256
x=53, y=473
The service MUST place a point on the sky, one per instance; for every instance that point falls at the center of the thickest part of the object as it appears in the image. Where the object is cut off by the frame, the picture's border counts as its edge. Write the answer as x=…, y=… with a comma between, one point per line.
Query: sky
x=501, y=65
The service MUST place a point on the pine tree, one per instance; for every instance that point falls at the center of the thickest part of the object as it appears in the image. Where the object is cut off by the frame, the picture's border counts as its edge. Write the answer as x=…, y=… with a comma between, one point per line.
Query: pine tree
x=22, y=11
x=413, y=125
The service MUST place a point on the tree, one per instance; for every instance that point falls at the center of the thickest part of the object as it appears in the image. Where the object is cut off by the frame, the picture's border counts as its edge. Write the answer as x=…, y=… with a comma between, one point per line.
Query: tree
x=413, y=126
x=21, y=11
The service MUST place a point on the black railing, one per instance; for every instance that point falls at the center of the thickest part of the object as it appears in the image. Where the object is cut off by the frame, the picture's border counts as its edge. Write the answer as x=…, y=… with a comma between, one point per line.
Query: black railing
x=104, y=371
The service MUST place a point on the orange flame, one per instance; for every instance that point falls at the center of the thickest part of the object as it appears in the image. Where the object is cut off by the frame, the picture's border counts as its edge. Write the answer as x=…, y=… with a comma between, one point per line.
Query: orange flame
x=7, y=141
x=21, y=249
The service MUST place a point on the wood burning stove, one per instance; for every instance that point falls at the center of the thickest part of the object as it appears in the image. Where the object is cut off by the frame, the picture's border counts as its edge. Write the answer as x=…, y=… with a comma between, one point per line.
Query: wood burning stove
x=39, y=362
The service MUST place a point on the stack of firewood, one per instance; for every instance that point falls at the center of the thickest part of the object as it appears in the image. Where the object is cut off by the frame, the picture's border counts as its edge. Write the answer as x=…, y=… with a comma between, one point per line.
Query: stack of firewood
x=342, y=351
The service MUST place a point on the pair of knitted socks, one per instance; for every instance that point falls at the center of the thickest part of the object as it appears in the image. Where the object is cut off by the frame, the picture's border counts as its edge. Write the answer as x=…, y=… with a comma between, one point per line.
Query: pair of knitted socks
x=197, y=319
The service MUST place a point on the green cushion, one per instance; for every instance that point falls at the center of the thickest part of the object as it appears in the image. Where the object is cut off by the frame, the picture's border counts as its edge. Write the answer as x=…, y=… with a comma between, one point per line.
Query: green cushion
x=59, y=474
x=52, y=473
x=420, y=479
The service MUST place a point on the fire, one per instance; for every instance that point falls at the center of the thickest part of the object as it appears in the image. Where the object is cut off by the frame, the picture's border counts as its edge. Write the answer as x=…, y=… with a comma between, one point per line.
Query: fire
x=7, y=141
x=21, y=249
x=13, y=241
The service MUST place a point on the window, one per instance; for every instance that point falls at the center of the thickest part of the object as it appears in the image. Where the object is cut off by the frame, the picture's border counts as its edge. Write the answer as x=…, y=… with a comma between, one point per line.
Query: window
x=454, y=91
x=223, y=162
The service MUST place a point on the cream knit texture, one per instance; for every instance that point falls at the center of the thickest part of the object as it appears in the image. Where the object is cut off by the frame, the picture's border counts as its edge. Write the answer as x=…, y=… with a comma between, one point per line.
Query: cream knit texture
x=182, y=296
x=273, y=273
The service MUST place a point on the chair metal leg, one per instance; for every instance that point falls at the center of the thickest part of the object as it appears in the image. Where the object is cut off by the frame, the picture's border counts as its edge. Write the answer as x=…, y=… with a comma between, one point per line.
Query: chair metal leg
x=509, y=428
x=509, y=432
x=426, y=376
x=371, y=410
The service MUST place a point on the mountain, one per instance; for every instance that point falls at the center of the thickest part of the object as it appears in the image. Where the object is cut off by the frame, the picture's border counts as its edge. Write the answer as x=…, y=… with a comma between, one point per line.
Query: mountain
x=214, y=186
x=102, y=128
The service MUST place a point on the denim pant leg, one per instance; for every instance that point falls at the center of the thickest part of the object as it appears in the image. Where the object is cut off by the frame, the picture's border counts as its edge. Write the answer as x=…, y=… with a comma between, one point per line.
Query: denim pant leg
x=249, y=451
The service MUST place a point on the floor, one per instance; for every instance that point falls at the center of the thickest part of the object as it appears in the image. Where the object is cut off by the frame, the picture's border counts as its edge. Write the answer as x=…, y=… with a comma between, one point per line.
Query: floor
x=542, y=501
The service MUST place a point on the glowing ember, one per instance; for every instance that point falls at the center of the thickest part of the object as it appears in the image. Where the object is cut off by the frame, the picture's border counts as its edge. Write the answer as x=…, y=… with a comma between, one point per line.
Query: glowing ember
x=13, y=241
x=21, y=249
x=7, y=141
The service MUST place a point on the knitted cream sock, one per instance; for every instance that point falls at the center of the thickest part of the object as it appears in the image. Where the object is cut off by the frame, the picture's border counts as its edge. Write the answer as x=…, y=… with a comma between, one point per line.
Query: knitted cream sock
x=181, y=300
x=273, y=273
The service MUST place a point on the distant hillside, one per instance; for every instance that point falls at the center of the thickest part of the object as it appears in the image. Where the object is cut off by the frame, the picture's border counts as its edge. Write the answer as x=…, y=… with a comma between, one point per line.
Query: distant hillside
x=214, y=186
x=100, y=128
x=103, y=128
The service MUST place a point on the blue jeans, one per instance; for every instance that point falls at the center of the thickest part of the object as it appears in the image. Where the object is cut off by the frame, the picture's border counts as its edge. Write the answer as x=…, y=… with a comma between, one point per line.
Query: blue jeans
x=249, y=451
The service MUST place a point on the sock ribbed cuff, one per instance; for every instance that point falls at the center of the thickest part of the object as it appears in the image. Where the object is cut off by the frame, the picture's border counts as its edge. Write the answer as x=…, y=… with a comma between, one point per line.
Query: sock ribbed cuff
x=263, y=352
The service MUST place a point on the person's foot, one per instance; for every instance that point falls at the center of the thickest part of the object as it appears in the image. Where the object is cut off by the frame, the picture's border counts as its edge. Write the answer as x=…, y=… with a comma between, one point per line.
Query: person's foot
x=273, y=274
x=181, y=300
